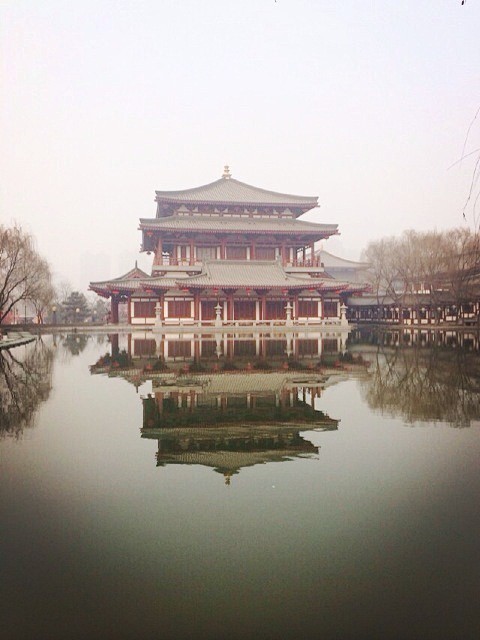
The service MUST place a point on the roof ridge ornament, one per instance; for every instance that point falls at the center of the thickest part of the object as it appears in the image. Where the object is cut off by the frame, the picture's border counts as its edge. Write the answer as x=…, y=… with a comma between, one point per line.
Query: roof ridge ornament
x=226, y=172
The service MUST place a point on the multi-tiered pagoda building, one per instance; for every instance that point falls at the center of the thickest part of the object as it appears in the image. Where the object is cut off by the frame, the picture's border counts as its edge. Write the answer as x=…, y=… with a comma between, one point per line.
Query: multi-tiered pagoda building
x=229, y=253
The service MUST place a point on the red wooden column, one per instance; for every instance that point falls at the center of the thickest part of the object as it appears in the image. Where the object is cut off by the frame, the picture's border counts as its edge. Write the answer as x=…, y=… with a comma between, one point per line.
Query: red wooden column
x=192, y=252
x=196, y=305
x=222, y=249
x=284, y=261
x=159, y=256
x=252, y=250
x=295, y=306
x=229, y=293
x=262, y=295
x=312, y=249
x=114, y=309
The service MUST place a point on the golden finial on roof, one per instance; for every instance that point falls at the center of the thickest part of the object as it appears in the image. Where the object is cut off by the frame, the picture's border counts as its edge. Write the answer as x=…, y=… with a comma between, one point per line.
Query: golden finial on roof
x=226, y=172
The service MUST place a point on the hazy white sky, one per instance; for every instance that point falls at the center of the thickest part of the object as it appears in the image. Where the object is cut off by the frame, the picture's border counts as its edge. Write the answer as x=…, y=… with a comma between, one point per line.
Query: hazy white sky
x=363, y=103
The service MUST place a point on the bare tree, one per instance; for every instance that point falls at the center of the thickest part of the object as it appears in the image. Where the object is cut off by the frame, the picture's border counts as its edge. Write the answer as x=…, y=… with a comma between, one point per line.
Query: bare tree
x=420, y=268
x=63, y=290
x=45, y=294
x=24, y=274
x=462, y=261
x=387, y=271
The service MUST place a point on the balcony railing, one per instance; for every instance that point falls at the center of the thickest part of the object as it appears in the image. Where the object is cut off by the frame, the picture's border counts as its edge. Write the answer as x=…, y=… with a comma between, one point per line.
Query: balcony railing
x=171, y=261
x=311, y=262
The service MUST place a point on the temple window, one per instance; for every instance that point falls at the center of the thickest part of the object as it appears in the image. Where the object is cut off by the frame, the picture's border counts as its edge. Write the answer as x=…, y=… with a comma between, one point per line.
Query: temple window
x=308, y=308
x=330, y=309
x=265, y=253
x=276, y=309
x=144, y=309
x=208, y=309
x=206, y=253
x=179, y=309
x=236, y=253
x=245, y=309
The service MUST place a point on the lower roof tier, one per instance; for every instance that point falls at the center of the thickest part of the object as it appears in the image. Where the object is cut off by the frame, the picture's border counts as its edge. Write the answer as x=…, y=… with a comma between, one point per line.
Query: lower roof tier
x=223, y=275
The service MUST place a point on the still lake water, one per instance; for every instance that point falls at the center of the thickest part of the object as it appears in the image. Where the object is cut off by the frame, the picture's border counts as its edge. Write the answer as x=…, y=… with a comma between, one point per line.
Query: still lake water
x=240, y=489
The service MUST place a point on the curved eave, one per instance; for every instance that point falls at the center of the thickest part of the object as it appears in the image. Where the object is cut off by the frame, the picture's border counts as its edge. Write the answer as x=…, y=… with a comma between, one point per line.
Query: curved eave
x=326, y=230
x=305, y=206
x=358, y=289
x=108, y=290
x=146, y=286
x=228, y=191
x=288, y=286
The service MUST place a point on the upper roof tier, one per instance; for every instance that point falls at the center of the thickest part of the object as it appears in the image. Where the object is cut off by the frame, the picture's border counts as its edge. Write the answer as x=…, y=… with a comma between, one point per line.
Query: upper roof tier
x=230, y=192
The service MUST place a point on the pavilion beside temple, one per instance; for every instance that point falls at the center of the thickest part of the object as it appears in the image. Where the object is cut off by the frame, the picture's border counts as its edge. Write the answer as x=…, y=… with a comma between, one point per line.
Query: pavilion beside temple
x=228, y=253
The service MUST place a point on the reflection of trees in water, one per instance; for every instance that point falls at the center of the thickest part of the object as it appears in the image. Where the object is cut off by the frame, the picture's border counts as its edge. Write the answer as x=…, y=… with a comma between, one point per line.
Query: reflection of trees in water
x=25, y=382
x=75, y=343
x=426, y=384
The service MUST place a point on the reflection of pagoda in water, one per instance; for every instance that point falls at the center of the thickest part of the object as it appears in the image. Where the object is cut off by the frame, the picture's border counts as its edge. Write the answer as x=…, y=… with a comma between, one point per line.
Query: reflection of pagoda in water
x=230, y=401
x=189, y=347
x=233, y=420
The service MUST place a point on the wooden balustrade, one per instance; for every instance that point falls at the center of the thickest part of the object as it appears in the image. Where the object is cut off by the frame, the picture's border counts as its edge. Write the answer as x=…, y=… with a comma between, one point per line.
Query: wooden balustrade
x=173, y=261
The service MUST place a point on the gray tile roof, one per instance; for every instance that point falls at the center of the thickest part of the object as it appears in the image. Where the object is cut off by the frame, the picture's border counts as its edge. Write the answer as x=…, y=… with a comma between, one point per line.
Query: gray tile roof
x=330, y=261
x=253, y=274
x=130, y=281
x=237, y=225
x=231, y=191
x=132, y=285
x=223, y=274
